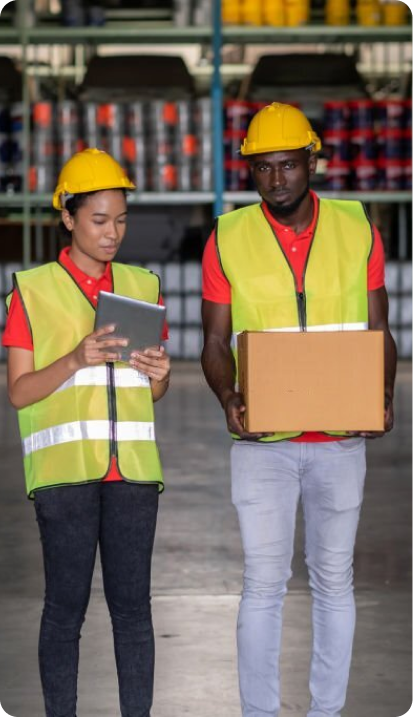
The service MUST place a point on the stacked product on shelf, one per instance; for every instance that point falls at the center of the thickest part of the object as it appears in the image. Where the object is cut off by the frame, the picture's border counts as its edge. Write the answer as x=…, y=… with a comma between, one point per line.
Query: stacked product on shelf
x=172, y=144
x=164, y=145
x=188, y=13
x=292, y=13
x=368, y=144
x=68, y=141
x=337, y=12
x=43, y=147
x=134, y=145
x=203, y=132
x=11, y=147
x=237, y=116
x=76, y=13
x=379, y=12
x=278, y=13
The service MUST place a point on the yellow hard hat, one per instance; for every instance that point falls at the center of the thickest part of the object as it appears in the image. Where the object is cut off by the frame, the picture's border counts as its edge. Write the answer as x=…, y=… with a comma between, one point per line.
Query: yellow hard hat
x=278, y=127
x=89, y=171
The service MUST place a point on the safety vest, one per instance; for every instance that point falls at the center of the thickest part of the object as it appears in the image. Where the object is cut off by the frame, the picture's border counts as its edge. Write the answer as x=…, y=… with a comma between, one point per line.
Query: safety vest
x=264, y=294
x=101, y=411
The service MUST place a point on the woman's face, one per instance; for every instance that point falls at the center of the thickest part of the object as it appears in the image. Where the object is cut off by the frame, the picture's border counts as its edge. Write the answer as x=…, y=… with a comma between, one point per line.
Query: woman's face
x=98, y=226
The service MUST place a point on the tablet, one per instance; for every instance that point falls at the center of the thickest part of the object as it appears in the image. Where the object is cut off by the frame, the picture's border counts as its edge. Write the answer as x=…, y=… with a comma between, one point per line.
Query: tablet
x=139, y=321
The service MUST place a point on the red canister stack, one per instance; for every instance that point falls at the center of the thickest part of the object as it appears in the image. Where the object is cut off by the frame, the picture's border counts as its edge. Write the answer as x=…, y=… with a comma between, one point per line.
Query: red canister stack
x=394, y=140
x=43, y=152
x=368, y=144
x=237, y=116
x=337, y=144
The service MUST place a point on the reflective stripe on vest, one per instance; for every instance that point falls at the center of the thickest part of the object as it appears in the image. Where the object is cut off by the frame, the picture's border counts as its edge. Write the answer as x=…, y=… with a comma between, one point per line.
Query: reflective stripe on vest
x=100, y=412
x=87, y=430
x=97, y=376
x=264, y=294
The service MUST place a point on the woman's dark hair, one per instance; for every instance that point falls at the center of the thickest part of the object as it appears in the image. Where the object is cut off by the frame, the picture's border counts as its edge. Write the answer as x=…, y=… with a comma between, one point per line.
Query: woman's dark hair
x=73, y=205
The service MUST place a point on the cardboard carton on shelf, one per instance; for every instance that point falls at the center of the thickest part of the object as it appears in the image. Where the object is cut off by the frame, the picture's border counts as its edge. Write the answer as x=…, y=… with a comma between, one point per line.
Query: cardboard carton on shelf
x=312, y=381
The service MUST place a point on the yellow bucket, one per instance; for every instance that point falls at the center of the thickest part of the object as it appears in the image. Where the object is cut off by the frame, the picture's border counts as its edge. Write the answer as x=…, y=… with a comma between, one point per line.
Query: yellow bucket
x=297, y=12
x=251, y=12
x=231, y=12
x=273, y=12
x=368, y=12
x=395, y=13
x=337, y=12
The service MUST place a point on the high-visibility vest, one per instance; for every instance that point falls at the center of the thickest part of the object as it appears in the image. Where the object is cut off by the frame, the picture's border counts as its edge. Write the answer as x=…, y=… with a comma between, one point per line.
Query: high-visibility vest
x=264, y=294
x=101, y=411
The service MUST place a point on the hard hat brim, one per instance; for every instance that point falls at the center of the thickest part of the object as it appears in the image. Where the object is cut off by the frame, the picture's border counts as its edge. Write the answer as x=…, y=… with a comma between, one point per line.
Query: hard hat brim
x=57, y=202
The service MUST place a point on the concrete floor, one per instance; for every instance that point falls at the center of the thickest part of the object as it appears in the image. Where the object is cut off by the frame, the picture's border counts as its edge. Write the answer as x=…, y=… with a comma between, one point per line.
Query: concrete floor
x=197, y=574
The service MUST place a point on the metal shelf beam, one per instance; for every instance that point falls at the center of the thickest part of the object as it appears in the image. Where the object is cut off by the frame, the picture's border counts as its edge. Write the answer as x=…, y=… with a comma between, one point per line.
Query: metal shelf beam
x=11, y=201
x=147, y=33
x=45, y=200
x=136, y=33
x=316, y=33
x=401, y=197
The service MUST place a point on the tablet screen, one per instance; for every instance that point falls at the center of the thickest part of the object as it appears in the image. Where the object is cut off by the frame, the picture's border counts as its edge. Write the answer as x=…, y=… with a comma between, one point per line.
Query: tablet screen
x=139, y=321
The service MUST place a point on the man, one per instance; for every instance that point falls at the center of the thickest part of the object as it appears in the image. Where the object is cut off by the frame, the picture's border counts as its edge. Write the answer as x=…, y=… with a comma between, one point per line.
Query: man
x=292, y=262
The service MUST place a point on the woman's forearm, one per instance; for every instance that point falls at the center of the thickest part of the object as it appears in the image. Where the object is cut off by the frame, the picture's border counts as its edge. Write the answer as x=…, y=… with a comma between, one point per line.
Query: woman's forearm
x=159, y=388
x=34, y=386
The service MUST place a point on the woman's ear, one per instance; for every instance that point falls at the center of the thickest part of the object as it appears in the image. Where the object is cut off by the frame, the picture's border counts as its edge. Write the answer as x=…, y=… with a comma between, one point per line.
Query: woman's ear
x=67, y=220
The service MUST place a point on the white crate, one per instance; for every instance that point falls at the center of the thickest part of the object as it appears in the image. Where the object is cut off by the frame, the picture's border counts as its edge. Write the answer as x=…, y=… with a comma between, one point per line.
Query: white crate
x=406, y=311
x=393, y=310
x=404, y=344
x=392, y=277
x=193, y=309
x=172, y=277
x=173, y=309
x=406, y=271
x=192, y=343
x=192, y=276
x=173, y=345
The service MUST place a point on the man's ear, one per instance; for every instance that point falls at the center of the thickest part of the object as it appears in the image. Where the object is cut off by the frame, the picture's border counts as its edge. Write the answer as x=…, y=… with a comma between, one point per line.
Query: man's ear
x=67, y=220
x=312, y=163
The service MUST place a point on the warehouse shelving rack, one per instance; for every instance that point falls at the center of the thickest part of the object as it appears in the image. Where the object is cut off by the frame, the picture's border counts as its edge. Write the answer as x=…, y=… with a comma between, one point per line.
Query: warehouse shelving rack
x=215, y=37
x=31, y=209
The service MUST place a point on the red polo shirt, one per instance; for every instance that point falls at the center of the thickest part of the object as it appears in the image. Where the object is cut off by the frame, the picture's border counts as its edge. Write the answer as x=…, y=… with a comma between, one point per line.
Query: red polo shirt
x=17, y=331
x=296, y=247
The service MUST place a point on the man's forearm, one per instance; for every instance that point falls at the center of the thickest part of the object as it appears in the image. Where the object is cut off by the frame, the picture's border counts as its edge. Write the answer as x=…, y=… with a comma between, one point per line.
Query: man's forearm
x=218, y=365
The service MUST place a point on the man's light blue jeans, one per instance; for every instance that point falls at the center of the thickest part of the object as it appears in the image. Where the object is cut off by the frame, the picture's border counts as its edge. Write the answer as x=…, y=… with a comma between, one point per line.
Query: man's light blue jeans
x=268, y=480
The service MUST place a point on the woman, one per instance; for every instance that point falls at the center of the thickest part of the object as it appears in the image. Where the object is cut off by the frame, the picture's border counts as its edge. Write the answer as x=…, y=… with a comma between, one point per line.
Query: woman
x=86, y=423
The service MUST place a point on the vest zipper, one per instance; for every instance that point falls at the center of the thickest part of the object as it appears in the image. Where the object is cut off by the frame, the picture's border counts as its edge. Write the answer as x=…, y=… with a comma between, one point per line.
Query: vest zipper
x=302, y=310
x=300, y=296
x=112, y=410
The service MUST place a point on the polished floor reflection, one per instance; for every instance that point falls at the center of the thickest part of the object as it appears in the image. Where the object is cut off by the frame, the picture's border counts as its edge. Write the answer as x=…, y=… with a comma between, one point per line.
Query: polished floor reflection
x=197, y=576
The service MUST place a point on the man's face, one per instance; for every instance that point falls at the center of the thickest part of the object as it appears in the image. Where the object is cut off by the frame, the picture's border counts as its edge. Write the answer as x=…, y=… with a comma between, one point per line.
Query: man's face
x=282, y=178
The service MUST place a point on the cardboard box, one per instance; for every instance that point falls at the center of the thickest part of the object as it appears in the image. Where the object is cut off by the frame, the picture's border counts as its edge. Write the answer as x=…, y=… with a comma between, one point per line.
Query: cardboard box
x=312, y=381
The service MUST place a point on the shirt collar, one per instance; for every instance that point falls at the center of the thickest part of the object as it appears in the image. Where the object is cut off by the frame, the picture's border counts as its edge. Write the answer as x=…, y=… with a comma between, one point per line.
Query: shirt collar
x=282, y=227
x=77, y=274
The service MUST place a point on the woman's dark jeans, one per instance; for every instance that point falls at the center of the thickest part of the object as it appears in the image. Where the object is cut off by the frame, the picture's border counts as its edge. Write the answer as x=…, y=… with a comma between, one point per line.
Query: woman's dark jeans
x=73, y=520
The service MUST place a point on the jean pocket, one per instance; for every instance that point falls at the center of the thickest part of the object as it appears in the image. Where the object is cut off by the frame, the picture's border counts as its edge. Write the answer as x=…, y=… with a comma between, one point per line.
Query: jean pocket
x=347, y=445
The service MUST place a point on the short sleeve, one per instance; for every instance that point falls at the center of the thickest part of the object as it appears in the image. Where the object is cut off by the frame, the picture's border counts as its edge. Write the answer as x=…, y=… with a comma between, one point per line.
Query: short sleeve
x=376, y=264
x=215, y=286
x=17, y=331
